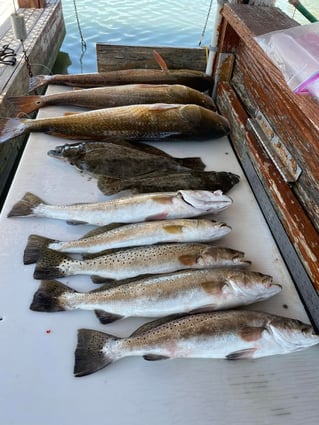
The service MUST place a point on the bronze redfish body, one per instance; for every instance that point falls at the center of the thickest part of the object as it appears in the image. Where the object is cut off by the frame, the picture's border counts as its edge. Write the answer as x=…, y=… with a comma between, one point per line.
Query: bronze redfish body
x=192, y=180
x=231, y=335
x=188, y=77
x=107, y=97
x=135, y=122
x=131, y=262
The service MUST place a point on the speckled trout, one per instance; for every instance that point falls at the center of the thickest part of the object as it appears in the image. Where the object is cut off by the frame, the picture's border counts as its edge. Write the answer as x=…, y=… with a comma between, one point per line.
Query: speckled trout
x=135, y=122
x=135, y=234
x=162, y=295
x=231, y=335
x=130, y=262
x=107, y=97
x=131, y=209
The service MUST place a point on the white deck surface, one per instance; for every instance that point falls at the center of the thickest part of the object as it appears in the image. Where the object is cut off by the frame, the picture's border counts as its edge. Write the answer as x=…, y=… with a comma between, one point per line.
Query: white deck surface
x=36, y=367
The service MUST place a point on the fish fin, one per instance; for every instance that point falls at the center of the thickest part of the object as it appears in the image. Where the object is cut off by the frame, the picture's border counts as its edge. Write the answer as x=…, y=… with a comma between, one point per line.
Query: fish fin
x=188, y=259
x=38, y=81
x=159, y=107
x=102, y=229
x=110, y=185
x=47, y=266
x=173, y=229
x=11, y=127
x=66, y=114
x=34, y=247
x=26, y=104
x=93, y=351
x=154, y=357
x=76, y=222
x=241, y=354
x=160, y=61
x=99, y=279
x=25, y=206
x=50, y=296
x=157, y=322
x=194, y=163
x=105, y=317
x=204, y=309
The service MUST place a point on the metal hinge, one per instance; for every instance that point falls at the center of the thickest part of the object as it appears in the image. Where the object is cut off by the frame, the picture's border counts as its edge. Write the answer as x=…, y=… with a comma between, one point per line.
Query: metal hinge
x=275, y=148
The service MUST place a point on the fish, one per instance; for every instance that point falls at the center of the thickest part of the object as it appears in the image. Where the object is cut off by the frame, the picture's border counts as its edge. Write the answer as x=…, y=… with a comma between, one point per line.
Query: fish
x=229, y=334
x=129, y=235
x=157, y=121
x=159, y=181
x=121, y=159
x=127, y=263
x=128, y=209
x=159, y=296
x=197, y=80
x=107, y=97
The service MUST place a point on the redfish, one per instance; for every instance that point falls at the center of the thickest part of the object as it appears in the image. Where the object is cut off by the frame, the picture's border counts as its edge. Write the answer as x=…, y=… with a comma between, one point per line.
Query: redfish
x=130, y=209
x=107, y=97
x=135, y=122
x=161, y=295
x=230, y=334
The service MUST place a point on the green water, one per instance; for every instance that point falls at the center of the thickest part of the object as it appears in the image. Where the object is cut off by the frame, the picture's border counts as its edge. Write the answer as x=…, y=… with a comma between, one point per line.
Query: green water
x=141, y=22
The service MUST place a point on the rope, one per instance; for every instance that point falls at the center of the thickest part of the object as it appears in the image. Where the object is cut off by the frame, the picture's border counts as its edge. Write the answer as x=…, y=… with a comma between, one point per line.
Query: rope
x=206, y=22
x=83, y=42
x=305, y=12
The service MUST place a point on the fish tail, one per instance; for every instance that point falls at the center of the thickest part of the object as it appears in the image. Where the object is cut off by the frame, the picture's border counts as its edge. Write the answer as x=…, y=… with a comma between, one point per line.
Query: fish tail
x=25, y=206
x=34, y=247
x=38, y=81
x=11, y=127
x=160, y=61
x=26, y=104
x=194, y=163
x=50, y=297
x=48, y=265
x=110, y=185
x=93, y=351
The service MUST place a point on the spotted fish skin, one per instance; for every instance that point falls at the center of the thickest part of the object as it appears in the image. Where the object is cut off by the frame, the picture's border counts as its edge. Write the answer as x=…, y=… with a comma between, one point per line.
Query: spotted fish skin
x=161, y=295
x=130, y=209
x=131, y=262
x=231, y=335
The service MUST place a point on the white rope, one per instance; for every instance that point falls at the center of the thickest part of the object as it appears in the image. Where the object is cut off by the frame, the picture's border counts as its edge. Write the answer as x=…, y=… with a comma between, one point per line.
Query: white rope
x=206, y=22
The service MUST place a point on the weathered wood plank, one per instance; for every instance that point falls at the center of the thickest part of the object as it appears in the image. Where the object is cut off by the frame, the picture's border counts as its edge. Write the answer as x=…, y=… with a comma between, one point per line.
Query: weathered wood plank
x=291, y=214
x=112, y=57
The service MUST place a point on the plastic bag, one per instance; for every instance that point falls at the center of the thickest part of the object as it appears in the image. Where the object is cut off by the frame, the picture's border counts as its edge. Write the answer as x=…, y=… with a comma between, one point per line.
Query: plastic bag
x=295, y=52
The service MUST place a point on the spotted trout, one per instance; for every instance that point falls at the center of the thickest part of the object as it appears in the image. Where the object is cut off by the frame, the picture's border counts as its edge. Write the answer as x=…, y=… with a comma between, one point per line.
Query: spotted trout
x=159, y=181
x=135, y=122
x=136, y=234
x=107, y=97
x=230, y=334
x=130, y=209
x=162, y=295
x=122, y=159
x=195, y=79
x=130, y=262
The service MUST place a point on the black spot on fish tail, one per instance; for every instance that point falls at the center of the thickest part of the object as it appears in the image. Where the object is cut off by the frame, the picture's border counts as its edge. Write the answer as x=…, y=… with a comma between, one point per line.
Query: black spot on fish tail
x=25, y=206
x=49, y=296
x=48, y=265
x=105, y=317
x=34, y=247
x=92, y=352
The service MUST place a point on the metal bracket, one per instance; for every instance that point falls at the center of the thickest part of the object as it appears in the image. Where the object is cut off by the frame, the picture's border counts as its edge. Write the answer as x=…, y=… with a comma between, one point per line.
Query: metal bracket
x=277, y=151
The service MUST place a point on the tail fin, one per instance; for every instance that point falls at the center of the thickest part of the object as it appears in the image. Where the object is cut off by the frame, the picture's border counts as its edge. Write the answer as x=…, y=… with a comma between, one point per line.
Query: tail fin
x=25, y=206
x=93, y=351
x=34, y=247
x=11, y=127
x=194, y=163
x=50, y=297
x=38, y=81
x=160, y=61
x=110, y=185
x=26, y=104
x=48, y=265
